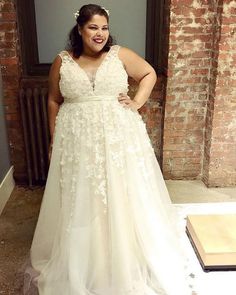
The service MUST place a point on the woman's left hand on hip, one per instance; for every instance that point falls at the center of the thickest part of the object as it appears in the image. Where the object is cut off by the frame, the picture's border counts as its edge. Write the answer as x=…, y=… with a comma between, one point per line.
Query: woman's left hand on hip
x=127, y=102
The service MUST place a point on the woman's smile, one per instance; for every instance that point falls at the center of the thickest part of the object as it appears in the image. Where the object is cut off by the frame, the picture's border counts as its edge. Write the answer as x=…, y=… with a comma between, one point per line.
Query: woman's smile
x=95, y=33
x=98, y=40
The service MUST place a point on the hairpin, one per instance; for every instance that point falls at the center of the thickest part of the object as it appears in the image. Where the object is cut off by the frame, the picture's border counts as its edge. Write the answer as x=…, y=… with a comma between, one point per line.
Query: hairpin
x=107, y=11
x=76, y=14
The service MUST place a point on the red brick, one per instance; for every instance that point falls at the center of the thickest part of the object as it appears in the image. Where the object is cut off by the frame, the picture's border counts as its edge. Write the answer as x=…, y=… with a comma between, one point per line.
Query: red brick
x=7, y=26
x=9, y=70
x=199, y=72
x=229, y=20
x=9, y=61
x=8, y=16
x=199, y=12
x=201, y=54
x=7, y=52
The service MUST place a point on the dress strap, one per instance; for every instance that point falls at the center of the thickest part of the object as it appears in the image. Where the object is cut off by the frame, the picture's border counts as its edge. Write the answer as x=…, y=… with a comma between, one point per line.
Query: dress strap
x=63, y=54
x=115, y=49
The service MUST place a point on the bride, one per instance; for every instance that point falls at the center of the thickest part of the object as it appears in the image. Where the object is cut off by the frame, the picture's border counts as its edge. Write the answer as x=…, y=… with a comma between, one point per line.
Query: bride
x=106, y=224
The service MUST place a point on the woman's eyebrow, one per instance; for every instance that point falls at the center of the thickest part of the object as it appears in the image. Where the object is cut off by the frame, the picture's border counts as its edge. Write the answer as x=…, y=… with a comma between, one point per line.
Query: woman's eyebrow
x=97, y=25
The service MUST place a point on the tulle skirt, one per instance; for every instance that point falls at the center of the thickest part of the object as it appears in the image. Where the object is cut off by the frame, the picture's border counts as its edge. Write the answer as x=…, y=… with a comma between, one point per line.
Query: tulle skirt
x=106, y=224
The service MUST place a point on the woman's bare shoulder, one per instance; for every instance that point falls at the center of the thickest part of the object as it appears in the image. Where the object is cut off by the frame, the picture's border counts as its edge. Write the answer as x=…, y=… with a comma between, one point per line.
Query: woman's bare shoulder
x=57, y=61
x=56, y=64
x=127, y=54
x=123, y=50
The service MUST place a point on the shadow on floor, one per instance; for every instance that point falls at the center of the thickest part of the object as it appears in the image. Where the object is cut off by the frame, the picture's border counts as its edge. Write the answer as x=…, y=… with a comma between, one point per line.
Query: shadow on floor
x=17, y=225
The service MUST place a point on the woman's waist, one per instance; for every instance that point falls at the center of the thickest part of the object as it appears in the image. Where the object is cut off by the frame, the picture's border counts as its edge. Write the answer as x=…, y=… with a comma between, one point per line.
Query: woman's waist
x=91, y=98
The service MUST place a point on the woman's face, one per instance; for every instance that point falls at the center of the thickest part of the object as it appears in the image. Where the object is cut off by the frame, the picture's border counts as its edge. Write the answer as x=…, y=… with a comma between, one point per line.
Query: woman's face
x=95, y=33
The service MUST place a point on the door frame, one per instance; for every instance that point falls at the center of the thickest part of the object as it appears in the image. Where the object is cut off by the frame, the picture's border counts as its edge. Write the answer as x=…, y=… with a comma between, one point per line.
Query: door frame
x=29, y=44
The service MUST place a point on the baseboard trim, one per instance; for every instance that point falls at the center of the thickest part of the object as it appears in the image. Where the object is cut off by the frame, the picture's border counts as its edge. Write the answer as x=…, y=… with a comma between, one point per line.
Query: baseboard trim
x=6, y=188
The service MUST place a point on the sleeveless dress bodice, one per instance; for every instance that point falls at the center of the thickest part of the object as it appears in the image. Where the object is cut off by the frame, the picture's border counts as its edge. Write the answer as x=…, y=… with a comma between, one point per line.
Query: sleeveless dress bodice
x=110, y=79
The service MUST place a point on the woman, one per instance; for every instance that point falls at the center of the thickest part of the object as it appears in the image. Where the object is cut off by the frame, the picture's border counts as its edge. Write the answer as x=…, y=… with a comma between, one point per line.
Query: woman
x=106, y=221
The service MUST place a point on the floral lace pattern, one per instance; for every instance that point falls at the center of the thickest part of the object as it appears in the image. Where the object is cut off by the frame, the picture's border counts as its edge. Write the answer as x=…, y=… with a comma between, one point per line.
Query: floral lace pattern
x=111, y=77
x=100, y=130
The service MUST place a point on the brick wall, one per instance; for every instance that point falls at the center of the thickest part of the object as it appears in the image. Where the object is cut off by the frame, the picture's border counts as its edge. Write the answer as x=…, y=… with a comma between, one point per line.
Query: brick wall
x=199, y=121
x=217, y=10
x=190, y=45
x=194, y=145
x=11, y=73
x=221, y=149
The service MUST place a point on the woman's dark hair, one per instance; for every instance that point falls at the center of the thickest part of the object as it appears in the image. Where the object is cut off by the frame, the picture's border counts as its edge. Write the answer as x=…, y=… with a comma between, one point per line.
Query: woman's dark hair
x=86, y=12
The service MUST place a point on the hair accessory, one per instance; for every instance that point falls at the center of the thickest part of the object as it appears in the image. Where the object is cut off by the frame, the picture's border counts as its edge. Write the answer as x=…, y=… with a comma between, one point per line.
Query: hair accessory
x=76, y=14
x=107, y=11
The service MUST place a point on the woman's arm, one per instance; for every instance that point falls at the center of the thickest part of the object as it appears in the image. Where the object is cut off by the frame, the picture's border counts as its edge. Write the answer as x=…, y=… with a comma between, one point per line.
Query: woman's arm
x=142, y=72
x=54, y=97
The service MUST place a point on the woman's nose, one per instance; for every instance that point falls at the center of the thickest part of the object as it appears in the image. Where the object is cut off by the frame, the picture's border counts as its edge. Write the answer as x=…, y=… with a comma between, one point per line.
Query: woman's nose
x=99, y=33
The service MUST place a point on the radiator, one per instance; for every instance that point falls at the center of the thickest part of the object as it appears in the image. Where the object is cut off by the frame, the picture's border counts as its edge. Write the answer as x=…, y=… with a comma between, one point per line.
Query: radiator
x=33, y=105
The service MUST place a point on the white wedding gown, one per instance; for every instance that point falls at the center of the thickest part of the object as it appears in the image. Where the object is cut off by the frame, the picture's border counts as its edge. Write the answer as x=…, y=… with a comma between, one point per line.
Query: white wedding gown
x=106, y=224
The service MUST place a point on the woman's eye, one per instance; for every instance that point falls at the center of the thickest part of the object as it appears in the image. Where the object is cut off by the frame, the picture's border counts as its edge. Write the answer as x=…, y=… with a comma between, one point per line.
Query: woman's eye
x=95, y=28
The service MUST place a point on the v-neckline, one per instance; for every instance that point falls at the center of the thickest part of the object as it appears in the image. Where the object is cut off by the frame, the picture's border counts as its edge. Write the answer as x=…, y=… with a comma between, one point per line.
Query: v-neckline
x=86, y=73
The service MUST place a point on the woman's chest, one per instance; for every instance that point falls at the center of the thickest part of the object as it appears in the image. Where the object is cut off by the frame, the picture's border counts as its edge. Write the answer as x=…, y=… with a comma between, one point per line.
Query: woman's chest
x=109, y=77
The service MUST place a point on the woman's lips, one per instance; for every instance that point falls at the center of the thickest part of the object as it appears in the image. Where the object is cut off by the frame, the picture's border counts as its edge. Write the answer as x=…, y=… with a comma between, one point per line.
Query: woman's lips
x=98, y=41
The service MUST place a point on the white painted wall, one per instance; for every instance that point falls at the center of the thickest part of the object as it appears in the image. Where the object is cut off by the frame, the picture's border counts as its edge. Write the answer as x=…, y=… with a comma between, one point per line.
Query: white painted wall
x=54, y=20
